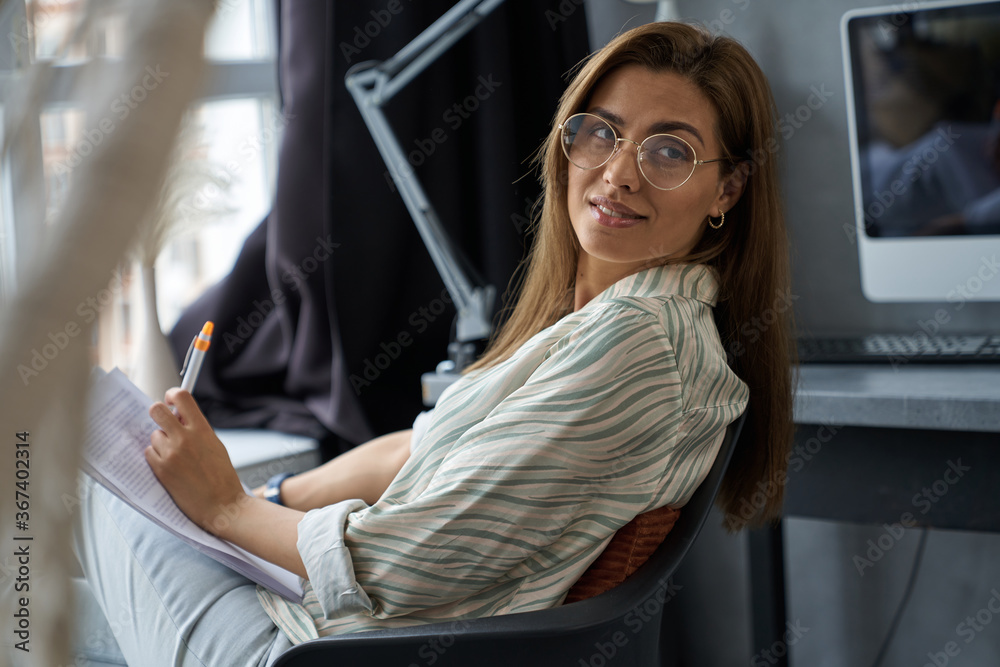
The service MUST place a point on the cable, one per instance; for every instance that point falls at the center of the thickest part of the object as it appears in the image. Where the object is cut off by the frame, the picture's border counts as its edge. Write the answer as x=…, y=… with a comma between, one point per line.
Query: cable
x=906, y=598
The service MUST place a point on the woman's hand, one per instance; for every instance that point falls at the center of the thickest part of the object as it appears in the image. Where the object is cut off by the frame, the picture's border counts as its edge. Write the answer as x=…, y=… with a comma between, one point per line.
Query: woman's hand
x=193, y=465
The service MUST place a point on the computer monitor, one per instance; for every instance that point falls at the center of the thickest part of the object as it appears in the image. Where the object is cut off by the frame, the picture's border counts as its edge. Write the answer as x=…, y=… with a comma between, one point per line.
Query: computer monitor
x=923, y=104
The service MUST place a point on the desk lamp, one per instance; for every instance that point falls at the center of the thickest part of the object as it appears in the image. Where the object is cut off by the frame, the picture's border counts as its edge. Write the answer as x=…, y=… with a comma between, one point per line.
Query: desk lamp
x=372, y=84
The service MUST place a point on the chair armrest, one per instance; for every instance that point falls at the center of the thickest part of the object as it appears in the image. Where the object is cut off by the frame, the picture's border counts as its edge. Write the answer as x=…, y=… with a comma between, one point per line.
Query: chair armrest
x=549, y=636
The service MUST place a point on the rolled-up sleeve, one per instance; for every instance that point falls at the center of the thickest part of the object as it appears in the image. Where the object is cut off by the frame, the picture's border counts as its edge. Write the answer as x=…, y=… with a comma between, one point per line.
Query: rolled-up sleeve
x=327, y=559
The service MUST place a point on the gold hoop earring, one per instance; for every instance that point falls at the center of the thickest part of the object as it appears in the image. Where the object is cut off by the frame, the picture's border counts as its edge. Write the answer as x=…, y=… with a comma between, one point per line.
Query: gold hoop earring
x=722, y=220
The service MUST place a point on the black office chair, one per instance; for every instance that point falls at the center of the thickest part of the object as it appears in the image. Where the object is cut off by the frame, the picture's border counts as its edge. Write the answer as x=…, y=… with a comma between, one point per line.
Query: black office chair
x=622, y=623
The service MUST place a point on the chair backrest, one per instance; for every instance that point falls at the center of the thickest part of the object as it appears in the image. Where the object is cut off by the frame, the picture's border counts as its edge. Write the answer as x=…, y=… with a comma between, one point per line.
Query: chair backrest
x=623, y=623
x=693, y=516
x=630, y=547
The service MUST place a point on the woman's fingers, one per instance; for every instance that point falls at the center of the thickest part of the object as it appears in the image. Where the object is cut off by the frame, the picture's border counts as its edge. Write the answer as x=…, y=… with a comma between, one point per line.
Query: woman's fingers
x=165, y=419
x=187, y=409
x=177, y=411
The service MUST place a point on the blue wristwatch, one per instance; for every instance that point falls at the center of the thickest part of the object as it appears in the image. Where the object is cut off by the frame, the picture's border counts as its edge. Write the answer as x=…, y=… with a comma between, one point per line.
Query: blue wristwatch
x=272, y=491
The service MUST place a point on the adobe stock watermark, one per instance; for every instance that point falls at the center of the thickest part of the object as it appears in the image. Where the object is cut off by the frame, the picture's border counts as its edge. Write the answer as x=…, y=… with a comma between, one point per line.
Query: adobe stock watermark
x=56, y=341
x=295, y=277
x=105, y=441
x=964, y=291
x=246, y=325
x=779, y=649
x=23, y=38
x=259, y=476
x=228, y=513
x=208, y=194
x=121, y=108
x=968, y=630
x=802, y=453
x=987, y=270
x=522, y=221
x=223, y=7
x=565, y=9
x=419, y=320
x=364, y=34
x=8, y=570
x=635, y=620
x=758, y=325
x=71, y=501
x=794, y=120
x=923, y=501
x=299, y=273
x=898, y=19
x=454, y=117
x=435, y=647
x=612, y=475
x=100, y=642
x=727, y=17
x=911, y=171
x=789, y=124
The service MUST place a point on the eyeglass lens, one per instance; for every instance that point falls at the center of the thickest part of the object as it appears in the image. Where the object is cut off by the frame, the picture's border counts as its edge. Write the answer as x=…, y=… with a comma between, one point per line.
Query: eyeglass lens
x=665, y=160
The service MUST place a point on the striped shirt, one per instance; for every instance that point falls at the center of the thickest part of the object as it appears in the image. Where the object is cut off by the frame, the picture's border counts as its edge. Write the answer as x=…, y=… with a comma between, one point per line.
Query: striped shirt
x=526, y=469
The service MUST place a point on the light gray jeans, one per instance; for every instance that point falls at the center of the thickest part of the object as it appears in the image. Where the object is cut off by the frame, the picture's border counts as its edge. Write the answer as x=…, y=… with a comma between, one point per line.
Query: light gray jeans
x=149, y=599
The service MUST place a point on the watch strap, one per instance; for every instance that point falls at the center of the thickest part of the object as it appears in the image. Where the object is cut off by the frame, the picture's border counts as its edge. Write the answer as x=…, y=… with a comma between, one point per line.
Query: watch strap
x=272, y=490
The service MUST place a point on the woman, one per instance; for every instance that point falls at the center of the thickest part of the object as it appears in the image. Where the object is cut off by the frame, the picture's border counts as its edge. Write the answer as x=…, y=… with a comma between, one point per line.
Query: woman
x=606, y=394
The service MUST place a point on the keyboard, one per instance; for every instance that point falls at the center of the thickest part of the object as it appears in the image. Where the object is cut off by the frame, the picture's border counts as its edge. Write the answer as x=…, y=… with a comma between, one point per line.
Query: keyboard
x=900, y=348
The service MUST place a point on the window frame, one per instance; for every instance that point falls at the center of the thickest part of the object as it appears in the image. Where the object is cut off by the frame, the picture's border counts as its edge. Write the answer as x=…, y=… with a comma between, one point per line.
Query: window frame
x=255, y=79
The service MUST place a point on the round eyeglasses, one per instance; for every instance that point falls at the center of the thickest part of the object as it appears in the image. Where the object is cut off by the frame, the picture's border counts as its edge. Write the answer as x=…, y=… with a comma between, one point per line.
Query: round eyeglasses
x=665, y=161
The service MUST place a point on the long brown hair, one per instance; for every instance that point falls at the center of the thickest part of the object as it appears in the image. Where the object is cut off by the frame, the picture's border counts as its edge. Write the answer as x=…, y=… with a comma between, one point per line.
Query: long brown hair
x=750, y=251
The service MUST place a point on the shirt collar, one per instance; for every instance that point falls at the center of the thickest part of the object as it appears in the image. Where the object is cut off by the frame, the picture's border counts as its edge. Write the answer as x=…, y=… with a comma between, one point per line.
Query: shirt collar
x=694, y=281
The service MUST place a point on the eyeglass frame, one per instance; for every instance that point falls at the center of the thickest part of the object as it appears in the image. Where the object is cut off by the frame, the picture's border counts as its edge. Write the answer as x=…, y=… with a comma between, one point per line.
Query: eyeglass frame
x=618, y=139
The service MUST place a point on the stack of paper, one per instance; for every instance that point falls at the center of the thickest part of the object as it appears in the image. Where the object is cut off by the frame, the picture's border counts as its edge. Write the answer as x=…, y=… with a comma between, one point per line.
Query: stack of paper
x=118, y=431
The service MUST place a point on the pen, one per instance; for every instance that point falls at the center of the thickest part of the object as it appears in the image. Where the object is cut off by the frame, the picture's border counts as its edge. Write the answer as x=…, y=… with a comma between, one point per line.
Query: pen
x=196, y=355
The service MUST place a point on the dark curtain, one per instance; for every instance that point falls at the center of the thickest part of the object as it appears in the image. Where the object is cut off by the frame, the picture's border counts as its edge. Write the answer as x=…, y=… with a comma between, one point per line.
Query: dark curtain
x=334, y=308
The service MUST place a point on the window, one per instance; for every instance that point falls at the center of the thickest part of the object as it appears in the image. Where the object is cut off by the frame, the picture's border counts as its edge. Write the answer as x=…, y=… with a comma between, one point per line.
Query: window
x=233, y=131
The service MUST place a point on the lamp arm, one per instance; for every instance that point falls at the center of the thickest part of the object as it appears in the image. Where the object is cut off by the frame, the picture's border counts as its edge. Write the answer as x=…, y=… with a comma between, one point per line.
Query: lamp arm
x=372, y=85
x=426, y=47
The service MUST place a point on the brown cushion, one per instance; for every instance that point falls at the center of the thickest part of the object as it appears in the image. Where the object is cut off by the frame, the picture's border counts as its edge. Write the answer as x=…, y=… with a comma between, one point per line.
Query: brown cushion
x=631, y=546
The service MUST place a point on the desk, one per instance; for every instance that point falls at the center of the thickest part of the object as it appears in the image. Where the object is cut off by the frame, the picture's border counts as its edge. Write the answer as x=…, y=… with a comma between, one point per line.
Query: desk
x=870, y=444
x=258, y=454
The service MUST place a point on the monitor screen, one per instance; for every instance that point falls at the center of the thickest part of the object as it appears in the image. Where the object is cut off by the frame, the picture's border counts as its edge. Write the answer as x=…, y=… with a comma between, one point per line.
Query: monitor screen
x=924, y=109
